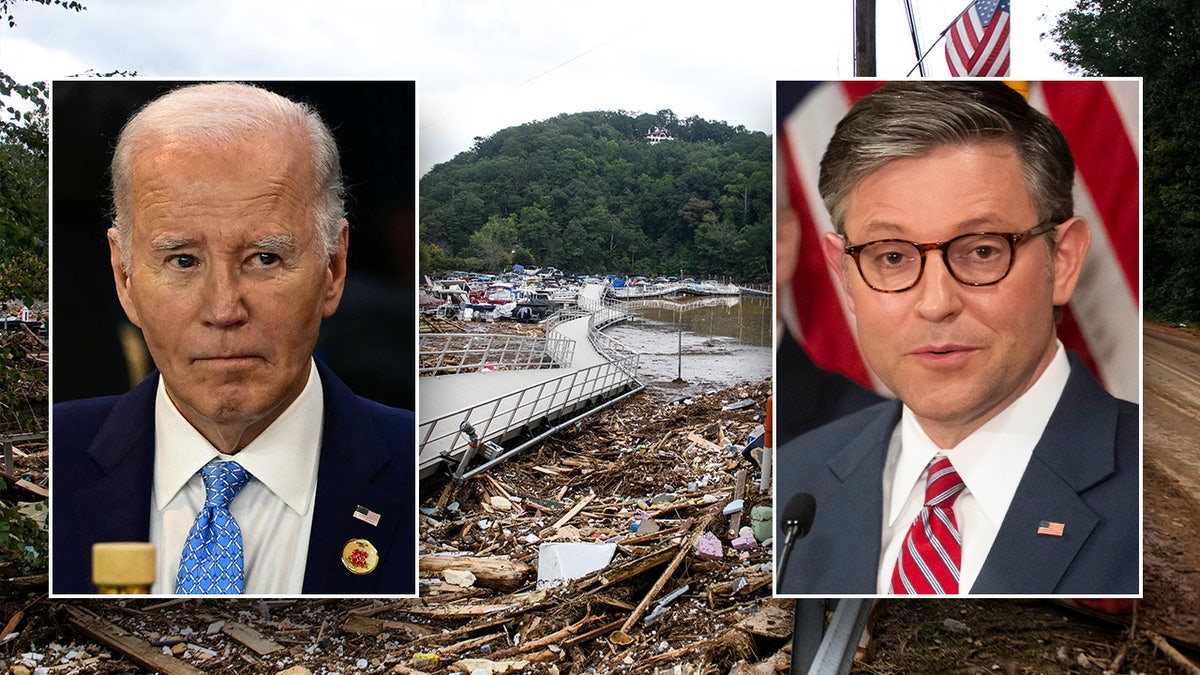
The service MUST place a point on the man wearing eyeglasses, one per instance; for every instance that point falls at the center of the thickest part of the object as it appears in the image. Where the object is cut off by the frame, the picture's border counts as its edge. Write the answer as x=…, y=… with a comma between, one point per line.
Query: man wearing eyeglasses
x=1002, y=467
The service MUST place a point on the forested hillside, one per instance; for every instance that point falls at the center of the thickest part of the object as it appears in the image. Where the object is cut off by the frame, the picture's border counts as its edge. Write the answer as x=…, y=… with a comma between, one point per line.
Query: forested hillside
x=1158, y=40
x=587, y=193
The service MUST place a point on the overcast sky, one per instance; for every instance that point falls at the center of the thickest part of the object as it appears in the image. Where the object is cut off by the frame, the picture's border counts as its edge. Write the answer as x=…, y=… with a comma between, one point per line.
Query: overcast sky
x=483, y=65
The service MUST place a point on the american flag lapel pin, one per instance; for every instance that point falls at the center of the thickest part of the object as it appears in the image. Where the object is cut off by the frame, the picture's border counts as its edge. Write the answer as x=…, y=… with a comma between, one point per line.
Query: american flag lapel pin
x=366, y=515
x=1051, y=528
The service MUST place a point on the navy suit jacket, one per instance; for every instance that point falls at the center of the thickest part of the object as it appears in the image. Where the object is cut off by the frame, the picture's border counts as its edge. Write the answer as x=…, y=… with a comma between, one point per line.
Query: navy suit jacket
x=103, y=469
x=1084, y=473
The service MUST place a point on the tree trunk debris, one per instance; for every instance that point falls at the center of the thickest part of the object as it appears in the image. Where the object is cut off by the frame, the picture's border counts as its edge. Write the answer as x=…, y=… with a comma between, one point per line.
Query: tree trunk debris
x=139, y=651
x=649, y=477
x=1183, y=662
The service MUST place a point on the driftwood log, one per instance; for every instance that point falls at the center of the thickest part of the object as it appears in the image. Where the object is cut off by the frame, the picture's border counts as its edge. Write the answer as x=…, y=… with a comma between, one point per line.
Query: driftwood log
x=497, y=573
x=135, y=649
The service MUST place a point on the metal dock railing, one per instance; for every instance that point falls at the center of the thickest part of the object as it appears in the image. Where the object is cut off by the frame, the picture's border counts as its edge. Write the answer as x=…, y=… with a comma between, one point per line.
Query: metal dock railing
x=505, y=403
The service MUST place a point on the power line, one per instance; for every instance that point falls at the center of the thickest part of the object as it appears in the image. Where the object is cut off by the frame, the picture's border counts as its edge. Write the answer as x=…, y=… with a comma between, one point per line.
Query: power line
x=539, y=75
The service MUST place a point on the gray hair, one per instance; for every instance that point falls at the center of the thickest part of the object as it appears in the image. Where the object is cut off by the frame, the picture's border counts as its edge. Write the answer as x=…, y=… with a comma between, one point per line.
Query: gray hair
x=221, y=113
x=910, y=119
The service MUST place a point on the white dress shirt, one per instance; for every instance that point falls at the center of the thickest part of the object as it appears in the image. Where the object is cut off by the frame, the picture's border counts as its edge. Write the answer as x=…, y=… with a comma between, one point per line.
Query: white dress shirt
x=274, y=510
x=990, y=462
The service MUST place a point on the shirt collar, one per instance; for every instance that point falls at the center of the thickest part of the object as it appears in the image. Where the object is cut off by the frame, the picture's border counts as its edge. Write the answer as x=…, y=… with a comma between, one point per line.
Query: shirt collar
x=991, y=460
x=284, y=456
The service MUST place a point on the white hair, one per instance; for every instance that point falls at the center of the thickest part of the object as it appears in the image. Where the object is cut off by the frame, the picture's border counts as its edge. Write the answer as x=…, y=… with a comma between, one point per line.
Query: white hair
x=221, y=113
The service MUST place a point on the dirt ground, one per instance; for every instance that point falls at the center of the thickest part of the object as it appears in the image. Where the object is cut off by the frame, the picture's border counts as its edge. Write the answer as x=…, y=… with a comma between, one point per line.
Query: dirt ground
x=629, y=464
x=1171, y=482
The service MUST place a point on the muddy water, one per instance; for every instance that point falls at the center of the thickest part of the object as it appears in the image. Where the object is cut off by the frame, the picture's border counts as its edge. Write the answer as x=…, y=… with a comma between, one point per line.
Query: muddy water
x=725, y=341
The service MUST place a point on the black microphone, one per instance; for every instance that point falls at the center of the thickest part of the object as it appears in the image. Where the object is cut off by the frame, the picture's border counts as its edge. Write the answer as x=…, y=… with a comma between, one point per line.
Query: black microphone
x=797, y=521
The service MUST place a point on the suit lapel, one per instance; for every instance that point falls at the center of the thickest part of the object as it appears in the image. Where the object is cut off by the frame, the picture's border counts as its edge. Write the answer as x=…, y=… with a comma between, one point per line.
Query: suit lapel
x=1076, y=451
x=351, y=456
x=1020, y=557
x=860, y=466
x=117, y=506
x=842, y=552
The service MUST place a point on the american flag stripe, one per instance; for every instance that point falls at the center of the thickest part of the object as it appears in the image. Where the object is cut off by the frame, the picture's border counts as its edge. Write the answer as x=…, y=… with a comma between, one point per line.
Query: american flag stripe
x=366, y=515
x=825, y=324
x=820, y=302
x=978, y=45
x=1107, y=193
x=1102, y=322
x=1083, y=110
x=1053, y=529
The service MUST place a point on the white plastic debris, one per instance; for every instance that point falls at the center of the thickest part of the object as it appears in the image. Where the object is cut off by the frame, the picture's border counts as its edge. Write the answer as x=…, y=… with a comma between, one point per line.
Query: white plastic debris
x=560, y=562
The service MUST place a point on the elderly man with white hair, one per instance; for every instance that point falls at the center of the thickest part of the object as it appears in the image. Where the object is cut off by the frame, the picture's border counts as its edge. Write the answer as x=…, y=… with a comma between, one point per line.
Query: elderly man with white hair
x=246, y=463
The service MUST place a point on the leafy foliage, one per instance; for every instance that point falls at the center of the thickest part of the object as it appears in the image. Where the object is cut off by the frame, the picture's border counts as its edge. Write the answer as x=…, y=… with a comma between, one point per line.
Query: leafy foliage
x=24, y=169
x=6, y=8
x=585, y=193
x=24, y=227
x=23, y=543
x=24, y=275
x=1160, y=40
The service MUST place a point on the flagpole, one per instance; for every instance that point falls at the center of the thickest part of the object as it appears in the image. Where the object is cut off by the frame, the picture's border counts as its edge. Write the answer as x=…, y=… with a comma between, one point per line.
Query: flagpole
x=912, y=29
x=921, y=60
x=864, y=38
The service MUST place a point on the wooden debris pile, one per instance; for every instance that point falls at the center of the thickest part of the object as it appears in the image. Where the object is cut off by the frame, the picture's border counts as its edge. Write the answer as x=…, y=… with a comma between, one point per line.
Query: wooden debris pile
x=433, y=324
x=648, y=489
x=437, y=324
x=663, y=490
x=31, y=464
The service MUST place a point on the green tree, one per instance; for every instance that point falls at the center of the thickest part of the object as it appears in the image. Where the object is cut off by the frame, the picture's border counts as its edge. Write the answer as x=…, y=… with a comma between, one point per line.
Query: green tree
x=495, y=242
x=24, y=229
x=431, y=258
x=581, y=248
x=537, y=233
x=25, y=277
x=1159, y=39
x=24, y=168
x=450, y=225
x=587, y=193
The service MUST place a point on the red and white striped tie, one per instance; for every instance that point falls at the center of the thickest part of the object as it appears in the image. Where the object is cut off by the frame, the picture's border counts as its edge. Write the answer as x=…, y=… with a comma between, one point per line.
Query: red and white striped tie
x=932, y=552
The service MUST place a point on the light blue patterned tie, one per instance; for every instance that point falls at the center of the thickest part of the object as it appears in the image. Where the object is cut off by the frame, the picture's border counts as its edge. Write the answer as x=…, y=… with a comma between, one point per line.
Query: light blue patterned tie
x=212, y=555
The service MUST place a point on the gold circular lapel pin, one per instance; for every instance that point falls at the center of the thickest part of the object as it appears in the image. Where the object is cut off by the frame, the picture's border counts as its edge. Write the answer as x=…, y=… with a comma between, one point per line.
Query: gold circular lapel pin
x=359, y=556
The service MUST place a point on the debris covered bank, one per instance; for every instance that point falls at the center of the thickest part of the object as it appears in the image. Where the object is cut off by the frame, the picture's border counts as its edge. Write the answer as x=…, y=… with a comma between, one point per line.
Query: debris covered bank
x=632, y=541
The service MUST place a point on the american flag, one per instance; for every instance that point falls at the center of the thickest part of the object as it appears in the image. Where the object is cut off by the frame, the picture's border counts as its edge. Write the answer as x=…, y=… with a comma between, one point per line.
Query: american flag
x=366, y=515
x=1052, y=529
x=977, y=43
x=1102, y=323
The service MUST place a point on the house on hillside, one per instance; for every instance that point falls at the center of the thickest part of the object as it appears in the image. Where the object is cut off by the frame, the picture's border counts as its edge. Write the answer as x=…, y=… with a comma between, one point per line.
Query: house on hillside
x=657, y=135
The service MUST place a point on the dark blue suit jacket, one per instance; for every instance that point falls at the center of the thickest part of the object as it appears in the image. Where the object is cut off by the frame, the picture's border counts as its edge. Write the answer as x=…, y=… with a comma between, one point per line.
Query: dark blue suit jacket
x=1084, y=473
x=103, y=466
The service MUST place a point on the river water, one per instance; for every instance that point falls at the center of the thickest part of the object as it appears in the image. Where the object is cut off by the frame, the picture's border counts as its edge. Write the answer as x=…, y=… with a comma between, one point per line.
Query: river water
x=696, y=345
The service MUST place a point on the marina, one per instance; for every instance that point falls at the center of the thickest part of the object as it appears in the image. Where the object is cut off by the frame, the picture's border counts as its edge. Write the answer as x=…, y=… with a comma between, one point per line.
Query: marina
x=484, y=396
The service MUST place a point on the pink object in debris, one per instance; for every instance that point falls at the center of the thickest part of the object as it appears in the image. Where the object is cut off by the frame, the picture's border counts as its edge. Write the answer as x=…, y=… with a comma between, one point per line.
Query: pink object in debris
x=709, y=546
x=742, y=543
